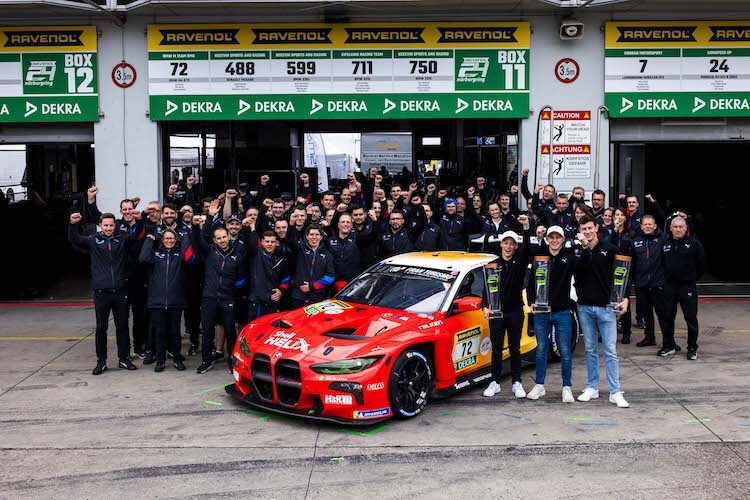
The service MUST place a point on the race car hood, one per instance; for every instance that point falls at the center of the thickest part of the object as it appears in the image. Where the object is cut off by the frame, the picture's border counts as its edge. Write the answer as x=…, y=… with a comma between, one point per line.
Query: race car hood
x=333, y=330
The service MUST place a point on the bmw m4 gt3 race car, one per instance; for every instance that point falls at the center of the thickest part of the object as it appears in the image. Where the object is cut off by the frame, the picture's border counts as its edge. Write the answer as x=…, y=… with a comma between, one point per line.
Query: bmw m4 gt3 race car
x=406, y=330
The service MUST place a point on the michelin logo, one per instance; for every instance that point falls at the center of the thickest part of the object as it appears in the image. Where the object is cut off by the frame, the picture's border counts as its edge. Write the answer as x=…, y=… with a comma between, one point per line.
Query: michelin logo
x=383, y=412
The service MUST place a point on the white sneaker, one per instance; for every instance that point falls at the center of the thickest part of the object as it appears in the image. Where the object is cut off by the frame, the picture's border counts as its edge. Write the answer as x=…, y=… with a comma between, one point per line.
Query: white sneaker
x=567, y=395
x=618, y=399
x=588, y=394
x=491, y=389
x=536, y=392
x=518, y=391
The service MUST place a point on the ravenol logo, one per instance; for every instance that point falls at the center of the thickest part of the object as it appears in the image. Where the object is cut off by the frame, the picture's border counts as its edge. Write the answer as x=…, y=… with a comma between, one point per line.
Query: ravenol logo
x=41, y=73
x=474, y=69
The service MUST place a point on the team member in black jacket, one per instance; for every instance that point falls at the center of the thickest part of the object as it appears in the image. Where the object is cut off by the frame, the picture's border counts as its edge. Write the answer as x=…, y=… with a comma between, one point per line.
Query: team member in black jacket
x=366, y=230
x=561, y=216
x=647, y=271
x=167, y=295
x=594, y=279
x=343, y=246
x=684, y=263
x=429, y=240
x=269, y=276
x=394, y=240
x=135, y=275
x=512, y=263
x=314, y=271
x=194, y=288
x=561, y=269
x=225, y=263
x=452, y=227
x=108, y=252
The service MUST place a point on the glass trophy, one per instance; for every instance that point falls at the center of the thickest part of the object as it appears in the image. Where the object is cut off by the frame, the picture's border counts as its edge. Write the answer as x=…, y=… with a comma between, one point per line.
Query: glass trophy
x=541, y=284
x=620, y=281
x=492, y=274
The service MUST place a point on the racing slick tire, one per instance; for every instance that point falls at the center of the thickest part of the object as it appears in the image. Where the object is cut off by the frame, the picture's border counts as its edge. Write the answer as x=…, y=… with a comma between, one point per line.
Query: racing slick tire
x=409, y=384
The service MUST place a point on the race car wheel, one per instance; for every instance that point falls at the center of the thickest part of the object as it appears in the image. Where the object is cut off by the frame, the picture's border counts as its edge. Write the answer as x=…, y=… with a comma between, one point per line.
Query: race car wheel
x=410, y=382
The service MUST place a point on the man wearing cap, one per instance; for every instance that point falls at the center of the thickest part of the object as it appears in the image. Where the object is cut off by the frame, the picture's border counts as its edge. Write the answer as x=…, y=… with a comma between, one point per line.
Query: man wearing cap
x=594, y=280
x=561, y=268
x=512, y=264
x=452, y=227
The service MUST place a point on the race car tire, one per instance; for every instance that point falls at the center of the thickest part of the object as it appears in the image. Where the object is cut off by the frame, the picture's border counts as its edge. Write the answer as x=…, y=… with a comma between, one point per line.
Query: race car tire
x=409, y=384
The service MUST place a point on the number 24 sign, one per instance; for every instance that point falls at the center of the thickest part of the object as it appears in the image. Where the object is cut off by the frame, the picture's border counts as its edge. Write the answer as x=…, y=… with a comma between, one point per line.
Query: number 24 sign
x=567, y=70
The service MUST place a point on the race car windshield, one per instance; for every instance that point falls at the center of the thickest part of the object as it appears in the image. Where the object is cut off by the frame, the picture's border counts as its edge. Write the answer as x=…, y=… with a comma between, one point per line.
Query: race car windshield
x=412, y=289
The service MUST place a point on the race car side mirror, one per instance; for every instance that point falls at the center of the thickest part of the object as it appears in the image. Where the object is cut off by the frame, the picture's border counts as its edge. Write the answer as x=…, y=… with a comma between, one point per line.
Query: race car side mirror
x=467, y=304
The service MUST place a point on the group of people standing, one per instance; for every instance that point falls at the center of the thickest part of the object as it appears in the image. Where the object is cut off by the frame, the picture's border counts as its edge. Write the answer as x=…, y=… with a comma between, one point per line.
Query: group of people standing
x=224, y=261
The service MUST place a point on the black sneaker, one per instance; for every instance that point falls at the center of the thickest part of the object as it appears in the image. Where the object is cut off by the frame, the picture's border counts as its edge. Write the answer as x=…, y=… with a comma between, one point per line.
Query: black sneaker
x=179, y=365
x=217, y=356
x=194, y=348
x=101, y=367
x=677, y=348
x=639, y=324
x=126, y=364
x=647, y=341
x=159, y=367
x=141, y=353
x=664, y=351
x=625, y=339
x=205, y=366
x=149, y=359
x=169, y=355
x=692, y=355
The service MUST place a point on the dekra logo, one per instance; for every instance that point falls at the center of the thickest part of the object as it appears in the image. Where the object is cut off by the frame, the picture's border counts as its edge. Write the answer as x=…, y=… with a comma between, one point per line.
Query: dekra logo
x=41, y=73
x=474, y=69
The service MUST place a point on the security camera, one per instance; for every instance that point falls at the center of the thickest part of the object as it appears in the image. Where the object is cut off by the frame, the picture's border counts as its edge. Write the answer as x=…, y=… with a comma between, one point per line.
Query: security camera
x=571, y=30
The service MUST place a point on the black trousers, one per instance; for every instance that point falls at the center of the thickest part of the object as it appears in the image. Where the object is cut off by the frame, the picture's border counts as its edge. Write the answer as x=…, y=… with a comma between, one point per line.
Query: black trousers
x=137, y=294
x=257, y=309
x=117, y=302
x=686, y=296
x=652, y=300
x=512, y=324
x=215, y=312
x=626, y=322
x=166, y=324
x=193, y=311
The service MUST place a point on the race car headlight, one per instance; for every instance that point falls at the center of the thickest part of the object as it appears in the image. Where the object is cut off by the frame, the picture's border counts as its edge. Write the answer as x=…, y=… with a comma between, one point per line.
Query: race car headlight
x=345, y=366
x=244, y=348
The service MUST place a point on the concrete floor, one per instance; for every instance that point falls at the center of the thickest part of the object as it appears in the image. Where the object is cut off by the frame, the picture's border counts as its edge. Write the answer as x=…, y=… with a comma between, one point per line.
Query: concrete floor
x=67, y=434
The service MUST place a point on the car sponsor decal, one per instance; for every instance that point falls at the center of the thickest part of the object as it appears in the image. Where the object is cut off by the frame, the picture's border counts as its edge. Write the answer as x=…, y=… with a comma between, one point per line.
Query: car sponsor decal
x=327, y=307
x=287, y=340
x=432, y=324
x=376, y=386
x=466, y=347
x=339, y=399
x=485, y=346
x=361, y=414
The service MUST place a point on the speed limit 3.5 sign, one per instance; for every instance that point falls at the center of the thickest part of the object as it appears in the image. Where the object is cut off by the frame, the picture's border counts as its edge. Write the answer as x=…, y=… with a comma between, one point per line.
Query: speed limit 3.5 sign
x=567, y=70
x=124, y=75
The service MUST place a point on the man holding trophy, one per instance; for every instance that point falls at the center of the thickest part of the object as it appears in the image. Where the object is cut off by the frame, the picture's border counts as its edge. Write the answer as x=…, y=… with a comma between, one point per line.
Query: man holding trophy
x=549, y=295
x=598, y=301
x=503, y=306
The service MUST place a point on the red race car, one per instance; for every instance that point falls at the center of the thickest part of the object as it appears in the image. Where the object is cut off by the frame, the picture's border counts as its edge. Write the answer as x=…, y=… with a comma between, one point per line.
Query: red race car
x=408, y=329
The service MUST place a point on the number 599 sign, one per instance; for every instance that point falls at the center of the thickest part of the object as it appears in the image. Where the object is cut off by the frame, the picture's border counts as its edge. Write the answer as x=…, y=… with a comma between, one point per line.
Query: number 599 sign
x=124, y=75
x=567, y=70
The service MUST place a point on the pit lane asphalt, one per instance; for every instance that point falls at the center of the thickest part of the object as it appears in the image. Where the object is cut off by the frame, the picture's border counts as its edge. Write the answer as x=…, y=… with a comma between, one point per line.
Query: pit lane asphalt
x=67, y=434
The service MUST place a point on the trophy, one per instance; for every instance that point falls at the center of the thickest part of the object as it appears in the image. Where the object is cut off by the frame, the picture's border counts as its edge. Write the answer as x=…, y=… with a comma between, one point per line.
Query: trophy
x=620, y=282
x=492, y=274
x=541, y=284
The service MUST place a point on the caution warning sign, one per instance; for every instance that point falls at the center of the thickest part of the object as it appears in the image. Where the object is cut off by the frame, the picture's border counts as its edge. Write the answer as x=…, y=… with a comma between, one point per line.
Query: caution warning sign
x=571, y=144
